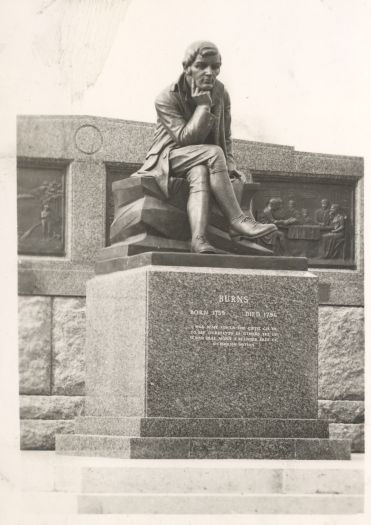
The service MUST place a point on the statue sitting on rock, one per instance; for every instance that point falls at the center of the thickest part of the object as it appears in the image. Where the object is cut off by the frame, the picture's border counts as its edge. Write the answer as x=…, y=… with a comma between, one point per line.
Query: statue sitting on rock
x=192, y=145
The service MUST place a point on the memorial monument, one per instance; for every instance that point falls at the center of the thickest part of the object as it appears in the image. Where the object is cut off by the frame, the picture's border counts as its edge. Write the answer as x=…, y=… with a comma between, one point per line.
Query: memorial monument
x=190, y=164
x=214, y=354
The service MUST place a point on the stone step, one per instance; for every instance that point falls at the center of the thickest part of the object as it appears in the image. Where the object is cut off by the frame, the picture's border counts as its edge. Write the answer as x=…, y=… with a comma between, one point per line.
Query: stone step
x=72, y=504
x=195, y=478
x=202, y=448
x=106, y=485
x=203, y=427
x=47, y=502
x=219, y=504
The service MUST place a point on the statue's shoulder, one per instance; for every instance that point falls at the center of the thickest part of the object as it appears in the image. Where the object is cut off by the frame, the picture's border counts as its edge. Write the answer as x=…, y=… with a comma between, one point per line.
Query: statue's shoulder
x=223, y=91
x=168, y=94
x=219, y=86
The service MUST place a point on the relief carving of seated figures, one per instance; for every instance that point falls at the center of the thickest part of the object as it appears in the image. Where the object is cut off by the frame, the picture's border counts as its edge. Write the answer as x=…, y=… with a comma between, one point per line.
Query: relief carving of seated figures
x=333, y=243
x=272, y=214
x=322, y=215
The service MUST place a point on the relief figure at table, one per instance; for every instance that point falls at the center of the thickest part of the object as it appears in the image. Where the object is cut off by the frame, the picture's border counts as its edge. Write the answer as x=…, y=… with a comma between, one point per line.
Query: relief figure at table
x=293, y=213
x=333, y=243
x=305, y=217
x=272, y=214
x=322, y=215
x=193, y=142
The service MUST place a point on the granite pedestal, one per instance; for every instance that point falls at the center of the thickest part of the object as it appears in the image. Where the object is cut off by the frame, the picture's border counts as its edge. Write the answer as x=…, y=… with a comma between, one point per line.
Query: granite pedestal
x=186, y=361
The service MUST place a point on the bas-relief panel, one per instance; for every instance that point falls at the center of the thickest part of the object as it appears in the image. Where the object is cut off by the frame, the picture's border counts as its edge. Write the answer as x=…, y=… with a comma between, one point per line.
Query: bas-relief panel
x=314, y=219
x=41, y=210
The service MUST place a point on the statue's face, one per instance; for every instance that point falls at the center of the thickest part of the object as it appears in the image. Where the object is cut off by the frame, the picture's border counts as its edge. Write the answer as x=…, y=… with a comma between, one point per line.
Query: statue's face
x=324, y=204
x=204, y=71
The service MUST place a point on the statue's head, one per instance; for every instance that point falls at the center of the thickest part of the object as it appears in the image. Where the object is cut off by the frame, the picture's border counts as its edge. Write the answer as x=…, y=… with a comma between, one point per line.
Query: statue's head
x=334, y=209
x=201, y=64
x=324, y=204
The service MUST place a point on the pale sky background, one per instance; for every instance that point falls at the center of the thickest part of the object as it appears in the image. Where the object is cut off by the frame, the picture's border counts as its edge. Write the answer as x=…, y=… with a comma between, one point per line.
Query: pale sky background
x=298, y=71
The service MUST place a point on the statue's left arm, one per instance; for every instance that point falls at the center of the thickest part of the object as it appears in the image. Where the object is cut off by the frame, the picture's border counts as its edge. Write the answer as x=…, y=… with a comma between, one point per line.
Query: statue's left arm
x=231, y=164
x=228, y=134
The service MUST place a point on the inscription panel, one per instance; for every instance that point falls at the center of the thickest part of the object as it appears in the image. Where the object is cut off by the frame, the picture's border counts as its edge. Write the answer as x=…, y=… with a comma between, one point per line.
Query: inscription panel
x=232, y=345
x=233, y=336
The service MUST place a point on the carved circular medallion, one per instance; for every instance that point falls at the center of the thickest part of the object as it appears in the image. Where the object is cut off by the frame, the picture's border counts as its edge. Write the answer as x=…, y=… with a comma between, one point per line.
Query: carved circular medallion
x=88, y=139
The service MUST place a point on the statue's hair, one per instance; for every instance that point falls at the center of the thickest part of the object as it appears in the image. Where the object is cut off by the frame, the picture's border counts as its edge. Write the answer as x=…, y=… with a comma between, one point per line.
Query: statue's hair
x=202, y=48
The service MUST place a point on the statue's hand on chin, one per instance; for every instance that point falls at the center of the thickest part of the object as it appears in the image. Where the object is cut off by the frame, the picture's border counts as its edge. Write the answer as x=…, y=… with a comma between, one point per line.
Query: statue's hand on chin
x=201, y=98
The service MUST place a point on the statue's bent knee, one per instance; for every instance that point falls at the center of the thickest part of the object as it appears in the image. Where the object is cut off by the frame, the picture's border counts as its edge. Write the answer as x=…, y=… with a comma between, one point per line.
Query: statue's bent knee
x=216, y=151
x=198, y=178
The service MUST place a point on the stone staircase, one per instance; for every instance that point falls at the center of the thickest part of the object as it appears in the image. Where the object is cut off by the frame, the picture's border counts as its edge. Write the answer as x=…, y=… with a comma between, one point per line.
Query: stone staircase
x=202, y=438
x=66, y=485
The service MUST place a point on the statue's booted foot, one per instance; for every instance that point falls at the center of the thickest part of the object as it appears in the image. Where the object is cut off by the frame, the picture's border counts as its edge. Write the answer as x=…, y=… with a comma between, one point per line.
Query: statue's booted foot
x=246, y=226
x=201, y=245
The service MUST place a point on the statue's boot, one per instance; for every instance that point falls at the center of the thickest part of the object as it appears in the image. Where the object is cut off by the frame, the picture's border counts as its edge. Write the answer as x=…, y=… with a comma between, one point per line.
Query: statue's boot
x=200, y=244
x=198, y=209
x=246, y=226
x=241, y=224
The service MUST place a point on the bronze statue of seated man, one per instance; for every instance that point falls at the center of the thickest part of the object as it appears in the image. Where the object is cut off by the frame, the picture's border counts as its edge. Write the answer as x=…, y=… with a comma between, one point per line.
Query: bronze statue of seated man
x=193, y=141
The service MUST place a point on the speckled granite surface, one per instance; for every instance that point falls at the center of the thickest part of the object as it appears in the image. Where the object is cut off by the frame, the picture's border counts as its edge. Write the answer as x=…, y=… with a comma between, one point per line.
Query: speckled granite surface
x=202, y=448
x=210, y=357
x=186, y=362
x=187, y=342
x=116, y=343
x=205, y=427
x=95, y=144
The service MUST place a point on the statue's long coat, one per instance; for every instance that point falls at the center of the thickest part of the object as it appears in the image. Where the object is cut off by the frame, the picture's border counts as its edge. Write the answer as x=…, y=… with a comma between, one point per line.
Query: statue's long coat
x=180, y=123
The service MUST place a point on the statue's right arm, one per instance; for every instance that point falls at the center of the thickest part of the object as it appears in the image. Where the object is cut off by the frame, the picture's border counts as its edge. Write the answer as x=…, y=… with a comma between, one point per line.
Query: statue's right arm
x=170, y=114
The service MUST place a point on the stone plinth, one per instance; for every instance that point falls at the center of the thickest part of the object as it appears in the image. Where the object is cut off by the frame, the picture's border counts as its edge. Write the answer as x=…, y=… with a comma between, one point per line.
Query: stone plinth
x=188, y=361
x=185, y=342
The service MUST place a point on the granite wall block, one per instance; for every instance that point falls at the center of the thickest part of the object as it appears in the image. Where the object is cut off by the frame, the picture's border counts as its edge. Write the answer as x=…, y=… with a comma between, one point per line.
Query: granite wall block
x=116, y=140
x=68, y=375
x=39, y=434
x=51, y=407
x=341, y=353
x=88, y=214
x=356, y=433
x=342, y=411
x=34, y=339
